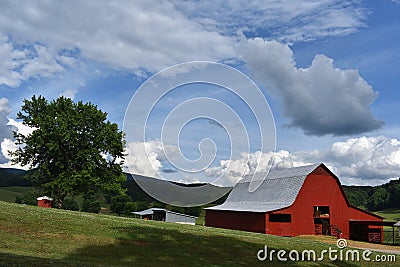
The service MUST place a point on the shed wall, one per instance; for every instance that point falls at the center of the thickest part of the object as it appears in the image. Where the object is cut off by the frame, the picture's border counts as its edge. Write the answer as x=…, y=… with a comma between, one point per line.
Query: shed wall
x=173, y=217
x=245, y=221
x=45, y=203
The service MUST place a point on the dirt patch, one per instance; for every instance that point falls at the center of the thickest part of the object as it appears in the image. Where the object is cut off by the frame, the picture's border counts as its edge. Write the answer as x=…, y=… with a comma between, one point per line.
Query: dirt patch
x=355, y=244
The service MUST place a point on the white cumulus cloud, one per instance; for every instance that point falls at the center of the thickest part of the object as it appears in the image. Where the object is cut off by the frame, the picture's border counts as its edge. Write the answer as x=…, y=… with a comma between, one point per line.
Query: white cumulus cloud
x=258, y=162
x=133, y=35
x=20, y=63
x=8, y=144
x=359, y=161
x=69, y=93
x=147, y=158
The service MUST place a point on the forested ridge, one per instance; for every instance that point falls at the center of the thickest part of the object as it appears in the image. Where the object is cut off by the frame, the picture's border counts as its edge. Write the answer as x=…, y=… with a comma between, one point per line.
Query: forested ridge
x=375, y=198
x=372, y=198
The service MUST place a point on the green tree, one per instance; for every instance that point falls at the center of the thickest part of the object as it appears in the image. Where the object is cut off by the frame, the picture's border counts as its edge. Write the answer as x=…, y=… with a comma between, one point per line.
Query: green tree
x=121, y=204
x=29, y=198
x=91, y=205
x=72, y=150
x=393, y=187
x=358, y=195
x=70, y=203
x=141, y=205
x=379, y=199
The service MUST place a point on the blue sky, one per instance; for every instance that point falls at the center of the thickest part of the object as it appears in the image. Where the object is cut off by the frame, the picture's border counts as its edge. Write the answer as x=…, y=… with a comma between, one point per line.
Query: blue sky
x=328, y=69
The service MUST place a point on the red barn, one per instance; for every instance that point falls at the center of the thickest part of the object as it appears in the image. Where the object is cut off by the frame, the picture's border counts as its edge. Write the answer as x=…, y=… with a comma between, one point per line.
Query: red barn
x=304, y=200
x=45, y=202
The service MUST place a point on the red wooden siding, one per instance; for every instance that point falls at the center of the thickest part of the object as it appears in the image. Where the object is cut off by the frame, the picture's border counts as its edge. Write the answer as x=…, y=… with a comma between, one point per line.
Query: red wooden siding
x=246, y=221
x=45, y=203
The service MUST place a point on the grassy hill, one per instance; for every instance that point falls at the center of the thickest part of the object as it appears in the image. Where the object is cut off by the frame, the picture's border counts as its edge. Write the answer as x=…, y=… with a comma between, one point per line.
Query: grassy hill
x=9, y=193
x=32, y=236
x=389, y=214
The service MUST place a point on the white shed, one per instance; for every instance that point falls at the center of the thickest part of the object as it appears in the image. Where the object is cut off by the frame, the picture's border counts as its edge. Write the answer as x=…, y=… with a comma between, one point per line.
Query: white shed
x=165, y=215
x=398, y=226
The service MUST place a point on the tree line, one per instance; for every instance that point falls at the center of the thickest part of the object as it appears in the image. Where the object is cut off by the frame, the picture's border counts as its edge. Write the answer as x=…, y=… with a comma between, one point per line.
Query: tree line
x=375, y=198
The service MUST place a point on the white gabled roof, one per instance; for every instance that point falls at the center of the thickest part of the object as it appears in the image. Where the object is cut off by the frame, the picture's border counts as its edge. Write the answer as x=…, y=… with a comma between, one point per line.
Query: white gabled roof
x=397, y=224
x=45, y=198
x=279, y=190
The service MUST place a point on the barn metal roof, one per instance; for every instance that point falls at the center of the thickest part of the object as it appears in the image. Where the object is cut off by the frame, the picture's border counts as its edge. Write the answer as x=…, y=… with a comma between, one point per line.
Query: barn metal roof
x=279, y=190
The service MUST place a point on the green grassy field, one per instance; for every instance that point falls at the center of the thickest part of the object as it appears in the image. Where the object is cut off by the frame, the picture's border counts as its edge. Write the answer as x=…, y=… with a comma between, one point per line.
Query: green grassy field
x=9, y=193
x=32, y=236
x=390, y=214
x=394, y=216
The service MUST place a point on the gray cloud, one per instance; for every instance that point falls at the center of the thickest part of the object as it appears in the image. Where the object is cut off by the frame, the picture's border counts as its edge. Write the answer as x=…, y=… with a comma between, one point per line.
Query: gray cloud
x=169, y=170
x=320, y=99
x=6, y=131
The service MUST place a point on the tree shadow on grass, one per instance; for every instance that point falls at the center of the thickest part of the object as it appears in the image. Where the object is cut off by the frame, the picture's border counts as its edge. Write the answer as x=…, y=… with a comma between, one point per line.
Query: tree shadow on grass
x=390, y=211
x=8, y=259
x=155, y=246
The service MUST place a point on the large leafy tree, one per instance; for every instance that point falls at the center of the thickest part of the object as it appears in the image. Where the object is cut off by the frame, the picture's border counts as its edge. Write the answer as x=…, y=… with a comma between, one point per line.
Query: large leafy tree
x=73, y=149
x=379, y=199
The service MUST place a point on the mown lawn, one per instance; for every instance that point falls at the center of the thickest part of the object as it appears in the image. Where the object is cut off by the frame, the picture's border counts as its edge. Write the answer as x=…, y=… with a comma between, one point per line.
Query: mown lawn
x=32, y=236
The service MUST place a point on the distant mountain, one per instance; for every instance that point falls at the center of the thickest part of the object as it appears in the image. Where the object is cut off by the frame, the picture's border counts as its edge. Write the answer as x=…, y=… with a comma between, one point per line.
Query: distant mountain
x=138, y=194
x=13, y=170
x=13, y=177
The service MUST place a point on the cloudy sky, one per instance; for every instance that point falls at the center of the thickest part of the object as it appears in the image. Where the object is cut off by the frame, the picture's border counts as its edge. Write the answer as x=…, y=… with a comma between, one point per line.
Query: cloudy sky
x=328, y=69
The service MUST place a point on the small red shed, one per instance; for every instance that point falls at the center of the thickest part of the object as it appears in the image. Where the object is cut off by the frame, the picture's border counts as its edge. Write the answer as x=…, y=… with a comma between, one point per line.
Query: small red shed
x=307, y=200
x=45, y=202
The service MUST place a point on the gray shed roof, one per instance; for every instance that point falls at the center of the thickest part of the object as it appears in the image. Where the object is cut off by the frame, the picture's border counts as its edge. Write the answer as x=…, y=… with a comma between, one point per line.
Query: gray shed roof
x=147, y=212
x=151, y=211
x=279, y=190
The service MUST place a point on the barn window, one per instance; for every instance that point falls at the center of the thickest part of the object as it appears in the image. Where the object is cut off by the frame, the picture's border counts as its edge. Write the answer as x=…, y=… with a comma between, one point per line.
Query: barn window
x=280, y=217
x=321, y=211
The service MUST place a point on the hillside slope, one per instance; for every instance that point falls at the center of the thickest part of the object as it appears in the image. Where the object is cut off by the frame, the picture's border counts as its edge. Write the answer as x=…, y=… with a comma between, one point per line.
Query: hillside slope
x=33, y=236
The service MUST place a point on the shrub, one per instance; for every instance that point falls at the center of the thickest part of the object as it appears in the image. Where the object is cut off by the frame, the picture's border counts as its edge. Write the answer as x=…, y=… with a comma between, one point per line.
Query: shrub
x=30, y=198
x=91, y=205
x=70, y=204
x=140, y=205
x=121, y=204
